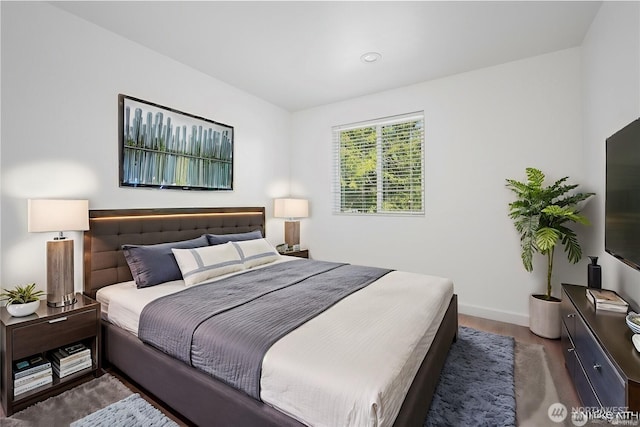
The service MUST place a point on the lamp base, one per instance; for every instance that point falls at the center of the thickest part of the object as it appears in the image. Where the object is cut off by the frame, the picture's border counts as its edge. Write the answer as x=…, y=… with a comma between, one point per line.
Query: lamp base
x=292, y=233
x=60, y=289
x=68, y=299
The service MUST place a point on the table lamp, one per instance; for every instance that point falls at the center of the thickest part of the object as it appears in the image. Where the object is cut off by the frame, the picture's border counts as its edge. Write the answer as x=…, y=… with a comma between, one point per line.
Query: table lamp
x=291, y=209
x=46, y=215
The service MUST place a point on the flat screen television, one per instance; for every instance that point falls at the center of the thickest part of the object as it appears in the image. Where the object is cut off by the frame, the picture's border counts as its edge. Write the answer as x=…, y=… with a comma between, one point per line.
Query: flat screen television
x=622, y=205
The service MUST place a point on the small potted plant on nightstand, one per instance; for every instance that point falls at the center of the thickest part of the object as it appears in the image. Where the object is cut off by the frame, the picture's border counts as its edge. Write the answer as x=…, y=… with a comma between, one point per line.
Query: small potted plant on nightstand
x=541, y=215
x=22, y=300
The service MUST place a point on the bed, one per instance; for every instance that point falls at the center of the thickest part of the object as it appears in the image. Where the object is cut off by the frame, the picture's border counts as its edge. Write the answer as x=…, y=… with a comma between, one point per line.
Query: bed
x=196, y=395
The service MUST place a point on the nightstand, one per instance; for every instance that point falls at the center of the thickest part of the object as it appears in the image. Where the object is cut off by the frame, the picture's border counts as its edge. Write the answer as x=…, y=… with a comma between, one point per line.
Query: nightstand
x=302, y=253
x=47, y=329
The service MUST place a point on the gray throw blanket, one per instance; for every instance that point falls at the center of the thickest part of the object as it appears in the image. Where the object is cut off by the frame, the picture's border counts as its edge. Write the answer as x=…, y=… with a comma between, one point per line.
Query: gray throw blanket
x=225, y=327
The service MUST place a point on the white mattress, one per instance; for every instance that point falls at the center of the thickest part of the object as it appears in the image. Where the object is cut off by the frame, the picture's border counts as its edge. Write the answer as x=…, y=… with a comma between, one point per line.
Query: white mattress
x=351, y=365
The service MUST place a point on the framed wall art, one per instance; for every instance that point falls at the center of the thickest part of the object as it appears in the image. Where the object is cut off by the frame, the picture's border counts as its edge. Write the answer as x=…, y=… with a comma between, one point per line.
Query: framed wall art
x=165, y=148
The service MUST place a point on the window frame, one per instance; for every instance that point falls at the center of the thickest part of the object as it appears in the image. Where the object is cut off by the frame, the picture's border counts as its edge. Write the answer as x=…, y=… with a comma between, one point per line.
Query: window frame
x=378, y=124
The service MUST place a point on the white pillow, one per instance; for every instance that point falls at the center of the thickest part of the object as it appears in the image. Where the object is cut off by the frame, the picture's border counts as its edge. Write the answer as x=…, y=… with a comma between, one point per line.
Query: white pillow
x=256, y=252
x=200, y=264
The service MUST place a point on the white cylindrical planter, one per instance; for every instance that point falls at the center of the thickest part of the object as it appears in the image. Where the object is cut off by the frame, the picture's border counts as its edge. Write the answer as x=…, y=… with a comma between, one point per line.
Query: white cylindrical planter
x=544, y=317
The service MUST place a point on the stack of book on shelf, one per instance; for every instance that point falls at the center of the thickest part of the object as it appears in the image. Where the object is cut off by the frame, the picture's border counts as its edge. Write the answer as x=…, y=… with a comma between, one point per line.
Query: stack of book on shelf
x=70, y=359
x=603, y=299
x=31, y=373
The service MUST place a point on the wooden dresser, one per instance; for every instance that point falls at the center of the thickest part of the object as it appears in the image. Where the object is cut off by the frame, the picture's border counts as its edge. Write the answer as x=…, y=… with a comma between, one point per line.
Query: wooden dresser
x=599, y=354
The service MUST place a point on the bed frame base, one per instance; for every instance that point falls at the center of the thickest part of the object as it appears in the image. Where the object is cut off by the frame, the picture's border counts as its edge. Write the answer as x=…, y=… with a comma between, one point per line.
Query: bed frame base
x=195, y=395
x=205, y=401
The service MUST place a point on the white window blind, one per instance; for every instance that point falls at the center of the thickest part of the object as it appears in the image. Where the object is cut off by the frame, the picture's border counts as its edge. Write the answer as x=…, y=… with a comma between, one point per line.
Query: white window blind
x=379, y=166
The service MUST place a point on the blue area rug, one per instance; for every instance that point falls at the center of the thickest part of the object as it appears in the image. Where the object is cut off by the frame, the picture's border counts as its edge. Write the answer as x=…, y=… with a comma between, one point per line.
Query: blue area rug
x=132, y=411
x=476, y=386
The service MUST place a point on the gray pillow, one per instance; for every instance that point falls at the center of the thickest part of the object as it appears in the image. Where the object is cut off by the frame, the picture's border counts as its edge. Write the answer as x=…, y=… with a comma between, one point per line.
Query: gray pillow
x=154, y=264
x=219, y=239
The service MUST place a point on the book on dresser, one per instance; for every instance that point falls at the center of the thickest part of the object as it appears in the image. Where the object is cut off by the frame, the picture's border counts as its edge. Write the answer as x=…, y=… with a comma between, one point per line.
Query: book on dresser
x=604, y=299
x=31, y=373
x=70, y=359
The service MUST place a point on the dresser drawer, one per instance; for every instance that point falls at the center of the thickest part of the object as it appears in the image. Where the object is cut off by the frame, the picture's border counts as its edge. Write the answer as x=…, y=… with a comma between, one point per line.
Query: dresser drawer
x=53, y=332
x=587, y=395
x=568, y=313
x=604, y=378
x=569, y=351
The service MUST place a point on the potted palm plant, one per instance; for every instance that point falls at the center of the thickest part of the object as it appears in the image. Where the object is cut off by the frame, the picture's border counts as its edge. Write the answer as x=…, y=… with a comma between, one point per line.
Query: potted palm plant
x=542, y=215
x=22, y=300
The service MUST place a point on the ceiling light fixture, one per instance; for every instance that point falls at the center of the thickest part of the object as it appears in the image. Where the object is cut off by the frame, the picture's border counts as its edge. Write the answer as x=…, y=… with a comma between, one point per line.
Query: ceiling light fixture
x=370, y=57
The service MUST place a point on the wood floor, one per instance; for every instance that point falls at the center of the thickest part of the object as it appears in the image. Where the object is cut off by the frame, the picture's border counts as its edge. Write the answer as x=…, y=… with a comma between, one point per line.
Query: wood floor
x=563, y=384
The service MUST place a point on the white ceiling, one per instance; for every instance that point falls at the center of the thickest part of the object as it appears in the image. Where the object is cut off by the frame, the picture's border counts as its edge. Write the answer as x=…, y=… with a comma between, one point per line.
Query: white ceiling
x=301, y=54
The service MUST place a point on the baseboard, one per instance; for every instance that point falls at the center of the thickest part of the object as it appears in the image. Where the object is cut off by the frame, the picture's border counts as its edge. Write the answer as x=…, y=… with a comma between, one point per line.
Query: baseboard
x=500, y=316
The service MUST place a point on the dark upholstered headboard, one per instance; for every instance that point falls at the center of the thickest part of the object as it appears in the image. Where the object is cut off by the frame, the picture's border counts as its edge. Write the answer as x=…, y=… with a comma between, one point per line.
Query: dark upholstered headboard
x=104, y=262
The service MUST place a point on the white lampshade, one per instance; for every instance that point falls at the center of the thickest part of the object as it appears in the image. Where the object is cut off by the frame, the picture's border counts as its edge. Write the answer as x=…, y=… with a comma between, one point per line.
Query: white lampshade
x=45, y=215
x=291, y=208
x=57, y=215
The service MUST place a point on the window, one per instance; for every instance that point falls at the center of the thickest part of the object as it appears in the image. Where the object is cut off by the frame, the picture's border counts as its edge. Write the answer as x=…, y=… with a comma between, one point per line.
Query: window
x=379, y=166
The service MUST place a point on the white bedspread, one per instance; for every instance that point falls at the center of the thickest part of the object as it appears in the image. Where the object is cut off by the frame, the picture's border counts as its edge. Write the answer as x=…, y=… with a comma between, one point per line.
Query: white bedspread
x=350, y=366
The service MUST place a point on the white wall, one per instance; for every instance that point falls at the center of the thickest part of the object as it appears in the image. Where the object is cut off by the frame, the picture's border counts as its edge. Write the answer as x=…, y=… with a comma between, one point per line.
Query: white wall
x=61, y=77
x=481, y=128
x=611, y=86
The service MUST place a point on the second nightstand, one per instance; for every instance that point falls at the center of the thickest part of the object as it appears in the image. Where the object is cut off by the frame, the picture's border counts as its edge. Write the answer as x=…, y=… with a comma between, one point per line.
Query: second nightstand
x=302, y=253
x=45, y=330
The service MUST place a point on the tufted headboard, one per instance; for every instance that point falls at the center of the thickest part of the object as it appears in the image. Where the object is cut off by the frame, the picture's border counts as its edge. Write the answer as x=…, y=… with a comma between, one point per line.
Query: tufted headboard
x=104, y=262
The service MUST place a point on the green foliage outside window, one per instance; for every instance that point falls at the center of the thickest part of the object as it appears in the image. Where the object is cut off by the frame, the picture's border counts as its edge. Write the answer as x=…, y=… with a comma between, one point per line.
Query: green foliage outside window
x=402, y=167
x=358, y=170
x=381, y=168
